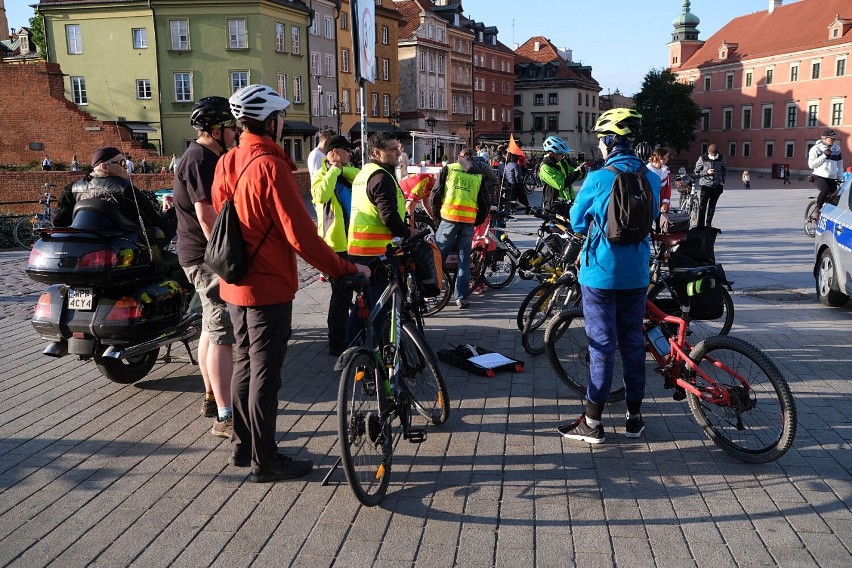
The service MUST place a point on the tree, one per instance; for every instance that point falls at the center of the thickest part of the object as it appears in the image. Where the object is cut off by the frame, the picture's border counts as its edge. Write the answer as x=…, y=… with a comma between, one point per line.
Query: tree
x=37, y=34
x=669, y=115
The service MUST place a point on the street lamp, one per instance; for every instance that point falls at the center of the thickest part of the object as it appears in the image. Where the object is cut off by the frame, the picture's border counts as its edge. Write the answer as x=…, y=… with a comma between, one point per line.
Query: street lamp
x=338, y=109
x=393, y=118
x=431, y=122
x=319, y=95
x=470, y=125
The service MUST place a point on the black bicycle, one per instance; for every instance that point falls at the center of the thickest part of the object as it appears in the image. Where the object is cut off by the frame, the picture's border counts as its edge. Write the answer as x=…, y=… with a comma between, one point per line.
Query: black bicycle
x=26, y=230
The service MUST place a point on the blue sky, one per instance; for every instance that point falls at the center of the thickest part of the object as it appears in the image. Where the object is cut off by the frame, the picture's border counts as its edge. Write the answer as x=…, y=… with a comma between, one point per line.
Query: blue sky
x=588, y=28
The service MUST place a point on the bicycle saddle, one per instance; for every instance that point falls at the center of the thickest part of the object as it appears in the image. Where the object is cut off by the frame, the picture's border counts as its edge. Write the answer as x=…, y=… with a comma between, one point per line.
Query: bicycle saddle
x=668, y=239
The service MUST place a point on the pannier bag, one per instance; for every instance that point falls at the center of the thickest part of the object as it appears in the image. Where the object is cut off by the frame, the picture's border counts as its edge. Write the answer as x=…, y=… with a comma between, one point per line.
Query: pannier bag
x=428, y=266
x=704, y=295
x=673, y=222
x=479, y=360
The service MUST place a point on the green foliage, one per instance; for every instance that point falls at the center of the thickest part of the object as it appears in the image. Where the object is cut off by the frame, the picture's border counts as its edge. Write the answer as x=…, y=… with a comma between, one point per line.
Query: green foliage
x=669, y=115
x=37, y=34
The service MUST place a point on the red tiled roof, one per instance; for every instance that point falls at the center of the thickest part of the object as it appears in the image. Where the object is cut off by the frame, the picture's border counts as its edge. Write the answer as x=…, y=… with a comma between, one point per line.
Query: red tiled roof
x=411, y=18
x=798, y=26
x=548, y=53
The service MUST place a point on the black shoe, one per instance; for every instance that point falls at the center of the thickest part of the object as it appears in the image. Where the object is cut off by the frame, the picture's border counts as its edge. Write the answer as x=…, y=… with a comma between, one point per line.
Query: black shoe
x=281, y=469
x=633, y=427
x=580, y=430
x=336, y=350
x=237, y=460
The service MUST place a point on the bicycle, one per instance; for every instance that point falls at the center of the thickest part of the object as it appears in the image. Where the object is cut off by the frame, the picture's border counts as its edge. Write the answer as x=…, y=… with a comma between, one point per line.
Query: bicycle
x=689, y=199
x=381, y=381
x=812, y=213
x=26, y=230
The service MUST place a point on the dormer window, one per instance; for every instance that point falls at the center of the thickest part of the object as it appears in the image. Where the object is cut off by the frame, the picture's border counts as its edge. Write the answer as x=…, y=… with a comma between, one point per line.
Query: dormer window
x=838, y=28
x=727, y=49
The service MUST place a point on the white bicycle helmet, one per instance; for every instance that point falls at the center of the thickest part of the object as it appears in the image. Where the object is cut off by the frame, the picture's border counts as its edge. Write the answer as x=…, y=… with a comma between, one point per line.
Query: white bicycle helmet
x=257, y=102
x=556, y=145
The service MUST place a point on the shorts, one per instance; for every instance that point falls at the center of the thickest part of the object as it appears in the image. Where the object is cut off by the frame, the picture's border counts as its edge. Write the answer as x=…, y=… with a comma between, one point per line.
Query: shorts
x=215, y=319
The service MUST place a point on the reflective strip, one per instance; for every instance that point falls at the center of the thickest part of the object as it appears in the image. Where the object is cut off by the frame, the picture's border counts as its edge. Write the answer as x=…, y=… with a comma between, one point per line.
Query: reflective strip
x=364, y=236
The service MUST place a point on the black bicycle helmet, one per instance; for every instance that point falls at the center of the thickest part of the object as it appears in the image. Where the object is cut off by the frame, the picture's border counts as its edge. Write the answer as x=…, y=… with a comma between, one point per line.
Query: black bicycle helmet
x=211, y=112
x=643, y=151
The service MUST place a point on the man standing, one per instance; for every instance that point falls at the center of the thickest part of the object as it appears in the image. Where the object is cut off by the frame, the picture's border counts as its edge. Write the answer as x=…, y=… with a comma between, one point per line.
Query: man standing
x=212, y=118
x=130, y=165
x=711, y=172
x=318, y=153
x=331, y=193
x=556, y=172
x=47, y=164
x=258, y=176
x=463, y=199
x=614, y=279
x=402, y=165
x=825, y=160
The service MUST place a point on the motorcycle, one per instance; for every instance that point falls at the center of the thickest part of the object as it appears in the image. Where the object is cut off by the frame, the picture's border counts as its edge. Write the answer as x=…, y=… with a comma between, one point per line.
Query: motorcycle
x=112, y=295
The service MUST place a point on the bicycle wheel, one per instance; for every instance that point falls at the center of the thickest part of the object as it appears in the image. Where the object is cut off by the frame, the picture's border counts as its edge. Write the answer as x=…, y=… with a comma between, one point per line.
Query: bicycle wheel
x=699, y=330
x=498, y=270
x=422, y=377
x=567, y=348
x=366, y=442
x=551, y=302
x=528, y=302
x=24, y=233
x=760, y=423
x=477, y=267
x=432, y=306
x=811, y=219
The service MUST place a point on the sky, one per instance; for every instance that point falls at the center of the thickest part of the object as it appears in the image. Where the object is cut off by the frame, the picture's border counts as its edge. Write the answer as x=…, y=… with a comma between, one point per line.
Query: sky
x=621, y=39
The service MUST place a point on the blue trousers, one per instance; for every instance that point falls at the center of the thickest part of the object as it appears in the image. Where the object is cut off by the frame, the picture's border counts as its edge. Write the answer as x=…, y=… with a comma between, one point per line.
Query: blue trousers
x=614, y=319
x=449, y=236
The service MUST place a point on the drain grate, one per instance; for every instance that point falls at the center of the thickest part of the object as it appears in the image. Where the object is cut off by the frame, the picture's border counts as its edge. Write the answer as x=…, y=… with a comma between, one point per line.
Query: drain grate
x=780, y=295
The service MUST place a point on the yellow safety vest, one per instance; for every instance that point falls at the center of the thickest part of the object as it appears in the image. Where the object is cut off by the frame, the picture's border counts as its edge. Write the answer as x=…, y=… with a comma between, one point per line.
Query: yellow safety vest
x=368, y=235
x=462, y=190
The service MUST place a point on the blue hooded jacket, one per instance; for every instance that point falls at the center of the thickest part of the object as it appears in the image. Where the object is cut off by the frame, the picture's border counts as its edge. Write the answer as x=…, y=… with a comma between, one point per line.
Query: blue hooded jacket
x=603, y=264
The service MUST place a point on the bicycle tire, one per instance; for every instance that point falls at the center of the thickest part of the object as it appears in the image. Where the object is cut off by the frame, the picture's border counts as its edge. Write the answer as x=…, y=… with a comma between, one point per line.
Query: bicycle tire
x=24, y=233
x=764, y=430
x=567, y=348
x=365, y=438
x=810, y=220
x=432, y=306
x=496, y=273
x=421, y=375
x=662, y=296
x=477, y=268
x=551, y=302
x=693, y=210
x=527, y=303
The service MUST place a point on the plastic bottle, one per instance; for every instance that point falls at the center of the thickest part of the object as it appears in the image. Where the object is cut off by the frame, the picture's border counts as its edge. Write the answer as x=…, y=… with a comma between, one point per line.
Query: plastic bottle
x=659, y=342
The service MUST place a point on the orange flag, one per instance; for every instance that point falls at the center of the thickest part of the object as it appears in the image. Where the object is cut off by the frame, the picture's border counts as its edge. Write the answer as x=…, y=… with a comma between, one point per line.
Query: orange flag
x=513, y=146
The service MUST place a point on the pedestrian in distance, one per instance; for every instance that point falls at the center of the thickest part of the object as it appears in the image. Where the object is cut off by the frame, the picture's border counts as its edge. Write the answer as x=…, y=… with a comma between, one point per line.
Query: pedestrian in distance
x=47, y=163
x=746, y=180
x=711, y=171
x=131, y=167
x=657, y=164
x=785, y=175
x=75, y=164
x=316, y=155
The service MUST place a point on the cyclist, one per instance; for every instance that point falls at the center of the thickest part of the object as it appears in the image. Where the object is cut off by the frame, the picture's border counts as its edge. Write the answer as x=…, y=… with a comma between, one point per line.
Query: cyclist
x=556, y=173
x=826, y=161
x=614, y=279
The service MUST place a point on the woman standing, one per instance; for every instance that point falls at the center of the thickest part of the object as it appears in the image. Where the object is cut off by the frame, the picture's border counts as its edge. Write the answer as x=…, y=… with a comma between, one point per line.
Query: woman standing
x=746, y=180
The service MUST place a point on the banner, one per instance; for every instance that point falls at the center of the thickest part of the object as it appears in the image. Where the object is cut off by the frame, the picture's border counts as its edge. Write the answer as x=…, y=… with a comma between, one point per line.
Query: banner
x=364, y=40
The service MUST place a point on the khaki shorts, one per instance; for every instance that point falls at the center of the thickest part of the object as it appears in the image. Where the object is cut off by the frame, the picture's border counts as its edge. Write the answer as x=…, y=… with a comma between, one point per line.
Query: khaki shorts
x=215, y=319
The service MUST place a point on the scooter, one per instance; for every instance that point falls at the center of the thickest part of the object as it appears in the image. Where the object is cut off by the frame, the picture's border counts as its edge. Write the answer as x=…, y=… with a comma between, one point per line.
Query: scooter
x=112, y=295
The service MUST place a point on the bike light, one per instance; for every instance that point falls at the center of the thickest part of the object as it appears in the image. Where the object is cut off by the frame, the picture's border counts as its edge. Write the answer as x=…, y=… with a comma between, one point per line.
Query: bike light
x=126, y=308
x=37, y=259
x=42, y=309
x=104, y=258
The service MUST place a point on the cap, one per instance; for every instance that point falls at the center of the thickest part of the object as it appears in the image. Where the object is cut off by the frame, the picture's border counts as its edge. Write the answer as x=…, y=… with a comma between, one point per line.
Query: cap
x=104, y=154
x=337, y=142
x=828, y=133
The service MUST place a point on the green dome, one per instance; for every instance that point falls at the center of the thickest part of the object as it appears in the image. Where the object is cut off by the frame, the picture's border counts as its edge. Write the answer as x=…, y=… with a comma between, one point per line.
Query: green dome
x=686, y=17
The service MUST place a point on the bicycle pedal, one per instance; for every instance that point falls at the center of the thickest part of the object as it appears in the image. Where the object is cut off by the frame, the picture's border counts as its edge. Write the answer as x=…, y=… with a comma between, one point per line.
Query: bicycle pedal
x=416, y=435
x=679, y=394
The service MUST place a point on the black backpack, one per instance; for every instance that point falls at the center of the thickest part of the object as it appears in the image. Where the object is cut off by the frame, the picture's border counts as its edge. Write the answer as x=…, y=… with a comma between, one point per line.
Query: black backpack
x=630, y=213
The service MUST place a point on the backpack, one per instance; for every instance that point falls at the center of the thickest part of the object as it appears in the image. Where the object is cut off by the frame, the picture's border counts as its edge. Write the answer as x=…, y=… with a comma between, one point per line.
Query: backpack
x=630, y=212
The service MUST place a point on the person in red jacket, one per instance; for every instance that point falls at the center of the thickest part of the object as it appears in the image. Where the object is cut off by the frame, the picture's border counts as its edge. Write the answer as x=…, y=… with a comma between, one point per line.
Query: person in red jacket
x=276, y=226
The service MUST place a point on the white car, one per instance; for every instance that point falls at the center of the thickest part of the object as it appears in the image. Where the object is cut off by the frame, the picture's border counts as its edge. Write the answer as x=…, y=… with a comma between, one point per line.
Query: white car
x=833, y=248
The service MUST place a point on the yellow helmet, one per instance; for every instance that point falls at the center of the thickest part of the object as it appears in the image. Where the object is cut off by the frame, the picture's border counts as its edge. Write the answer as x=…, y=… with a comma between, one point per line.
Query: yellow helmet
x=619, y=121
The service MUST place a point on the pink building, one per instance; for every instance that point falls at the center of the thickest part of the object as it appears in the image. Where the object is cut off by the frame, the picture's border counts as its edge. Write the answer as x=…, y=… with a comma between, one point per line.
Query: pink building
x=768, y=83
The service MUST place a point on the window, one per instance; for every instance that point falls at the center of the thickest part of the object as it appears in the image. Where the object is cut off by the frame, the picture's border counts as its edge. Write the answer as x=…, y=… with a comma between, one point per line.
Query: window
x=517, y=100
x=455, y=107
x=431, y=99
x=239, y=79
x=475, y=113
x=553, y=122
x=315, y=63
x=732, y=149
x=579, y=99
x=237, y=36
x=727, y=118
x=746, y=118
x=385, y=35
x=179, y=30
x=296, y=37
x=358, y=101
x=422, y=99
x=282, y=84
x=767, y=117
x=386, y=69
x=347, y=98
x=143, y=88
x=746, y=149
x=431, y=31
x=183, y=87
x=538, y=99
x=815, y=70
x=140, y=38
x=748, y=77
x=493, y=86
x=421, y=60
x=794, y=73
x=840, y=68
x=770, y=74
x=440, y=64
x=441, y=34
x=532, y=73
x=78, y=91
x=706, y=83
x=770, y=149
x=705, y=120
x=579, y=121
x=74, y=39
x=297, y=88
x=538, y=123
x=431, y=62
x=792, y=116
x=729, y=81
x=344, y=60
x=789, y=149
x=329, y=65
x=549, y=72
x=386, y=105
x=344, y=20
x=813, y=112
x=836, y=113
x=280, y=42
x=314, y=29
x=329, y=28
x=552, y=98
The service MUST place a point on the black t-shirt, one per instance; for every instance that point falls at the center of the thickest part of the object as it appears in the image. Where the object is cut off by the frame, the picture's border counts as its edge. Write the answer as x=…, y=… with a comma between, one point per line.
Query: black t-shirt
x=193, y=183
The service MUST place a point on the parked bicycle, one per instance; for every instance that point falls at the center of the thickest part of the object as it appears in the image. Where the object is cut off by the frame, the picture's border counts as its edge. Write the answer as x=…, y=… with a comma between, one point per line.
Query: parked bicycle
x=689, y=198
x=812, y=213
x=26, y=230
x=382, y=380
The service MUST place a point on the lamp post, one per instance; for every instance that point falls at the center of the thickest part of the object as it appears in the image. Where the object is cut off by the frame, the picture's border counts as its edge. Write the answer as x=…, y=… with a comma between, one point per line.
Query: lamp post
x=431, y=122
x=470, y=125
x=338, y=109
x=319, y=95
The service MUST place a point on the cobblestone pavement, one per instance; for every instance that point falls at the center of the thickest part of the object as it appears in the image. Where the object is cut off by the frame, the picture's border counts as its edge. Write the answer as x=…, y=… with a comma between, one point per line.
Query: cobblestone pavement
x=96, y=473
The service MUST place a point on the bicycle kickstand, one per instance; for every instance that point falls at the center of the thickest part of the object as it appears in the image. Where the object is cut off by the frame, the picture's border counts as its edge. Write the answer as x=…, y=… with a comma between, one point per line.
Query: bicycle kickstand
x=327, y=477
x=189, y=352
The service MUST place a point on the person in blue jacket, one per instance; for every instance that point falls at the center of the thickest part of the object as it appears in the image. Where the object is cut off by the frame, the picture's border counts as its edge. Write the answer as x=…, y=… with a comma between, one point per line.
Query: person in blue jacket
x=614, y=279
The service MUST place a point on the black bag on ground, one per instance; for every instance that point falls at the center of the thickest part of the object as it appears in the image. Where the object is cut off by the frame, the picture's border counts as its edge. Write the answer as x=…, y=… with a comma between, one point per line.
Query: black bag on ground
x=461, y=355
x=673, y=222
x=630, y=213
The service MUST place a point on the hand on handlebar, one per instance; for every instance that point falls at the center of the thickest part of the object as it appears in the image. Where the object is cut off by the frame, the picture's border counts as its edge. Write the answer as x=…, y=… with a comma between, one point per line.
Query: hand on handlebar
x=364, y=269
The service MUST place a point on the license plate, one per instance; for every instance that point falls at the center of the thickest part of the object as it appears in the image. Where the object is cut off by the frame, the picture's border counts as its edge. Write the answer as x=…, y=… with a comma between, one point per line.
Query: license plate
x=80, y=299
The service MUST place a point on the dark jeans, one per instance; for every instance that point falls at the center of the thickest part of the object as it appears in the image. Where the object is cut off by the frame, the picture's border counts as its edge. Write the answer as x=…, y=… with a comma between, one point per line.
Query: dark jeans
x=378, y=282
x=338, y=311
x=826, y=187
x=707, y=204
x=457, y=236
x=261, y=333
x=614, y=319
x=520, y=194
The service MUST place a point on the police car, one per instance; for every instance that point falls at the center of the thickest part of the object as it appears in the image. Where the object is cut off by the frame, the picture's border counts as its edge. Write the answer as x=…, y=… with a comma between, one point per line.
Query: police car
x=833, y=249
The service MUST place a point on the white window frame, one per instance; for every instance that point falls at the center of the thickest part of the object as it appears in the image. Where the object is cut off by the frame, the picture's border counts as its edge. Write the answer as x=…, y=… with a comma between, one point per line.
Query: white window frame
x=766, y=146
x=817, y=62
x=750, y=110
x=74, y=39
x=386, y=69
x=385, y=35
x=328, y=24
x=769, y=75
x=181, y=97
x=329, y=65
x=385, y=105
x=763, y=109
x=143, y=86
x=808, y=122
x=794, y=79
x=179, y=35
x=280, y=37
x=239, y=79
x=296, y=40
x=344, y=60
x=746, y=150
x=787, y=124
x=344, y=20
x=237, y=33
x=432, y=100
x=314, y=29
x=316, y=65
x=140, y=34
x=727, y=118
x=837, y=61
x=441, y=64
x=78, y=91
x=347, y=98
x=357, y=101
x=297, y=88
x=282, y=84
x=835, y=120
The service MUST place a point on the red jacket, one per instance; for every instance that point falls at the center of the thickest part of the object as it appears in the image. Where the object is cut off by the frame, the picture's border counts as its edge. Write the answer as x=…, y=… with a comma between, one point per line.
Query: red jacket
x=267, y=195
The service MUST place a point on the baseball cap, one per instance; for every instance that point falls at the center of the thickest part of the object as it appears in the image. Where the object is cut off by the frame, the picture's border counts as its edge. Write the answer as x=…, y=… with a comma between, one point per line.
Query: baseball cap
x=337, y=142
x=104, y=154
x=829, y=133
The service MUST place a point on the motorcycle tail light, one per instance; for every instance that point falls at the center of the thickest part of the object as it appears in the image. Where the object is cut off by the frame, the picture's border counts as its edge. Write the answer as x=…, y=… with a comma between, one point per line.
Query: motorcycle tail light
x=42, y=309
x=104, y=258
x=37, y=258
x=125, y=309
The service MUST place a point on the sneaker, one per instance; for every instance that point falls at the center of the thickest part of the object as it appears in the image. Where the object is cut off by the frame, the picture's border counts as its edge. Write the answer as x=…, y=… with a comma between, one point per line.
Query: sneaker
x=283, y=468
x=579, y=430
x=462, y=303
x=633, y=427
x=209, y=408
x=237, y=460
x=223, y=428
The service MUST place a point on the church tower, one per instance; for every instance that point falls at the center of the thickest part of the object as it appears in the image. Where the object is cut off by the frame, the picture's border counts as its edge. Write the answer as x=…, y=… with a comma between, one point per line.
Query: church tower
x=685, y=40
x=4, y=22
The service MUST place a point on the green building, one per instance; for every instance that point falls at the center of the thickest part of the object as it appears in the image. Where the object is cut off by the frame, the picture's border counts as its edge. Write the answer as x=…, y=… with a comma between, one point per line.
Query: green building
x=144, y=63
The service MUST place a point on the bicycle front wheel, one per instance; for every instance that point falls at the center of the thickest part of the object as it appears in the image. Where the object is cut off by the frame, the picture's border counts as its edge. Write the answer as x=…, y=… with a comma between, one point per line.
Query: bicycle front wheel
x=551, y=302
x=498, y=270
x=811, y=219
x=422, y=377
x=662, y=296
x=759, y=424
x=567, y=348
x=24, y=233
x=366, y=441
x=529, y=301
x=432, y=306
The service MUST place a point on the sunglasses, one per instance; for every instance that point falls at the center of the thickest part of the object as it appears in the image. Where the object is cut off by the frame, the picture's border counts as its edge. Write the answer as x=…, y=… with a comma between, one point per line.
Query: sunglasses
x=118, y=162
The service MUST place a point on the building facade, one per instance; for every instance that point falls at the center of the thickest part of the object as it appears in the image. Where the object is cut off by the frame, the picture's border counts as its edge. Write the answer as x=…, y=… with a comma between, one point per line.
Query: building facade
x=460, y=72
x=766, y=96
x=322, y=46
x=493, y=86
